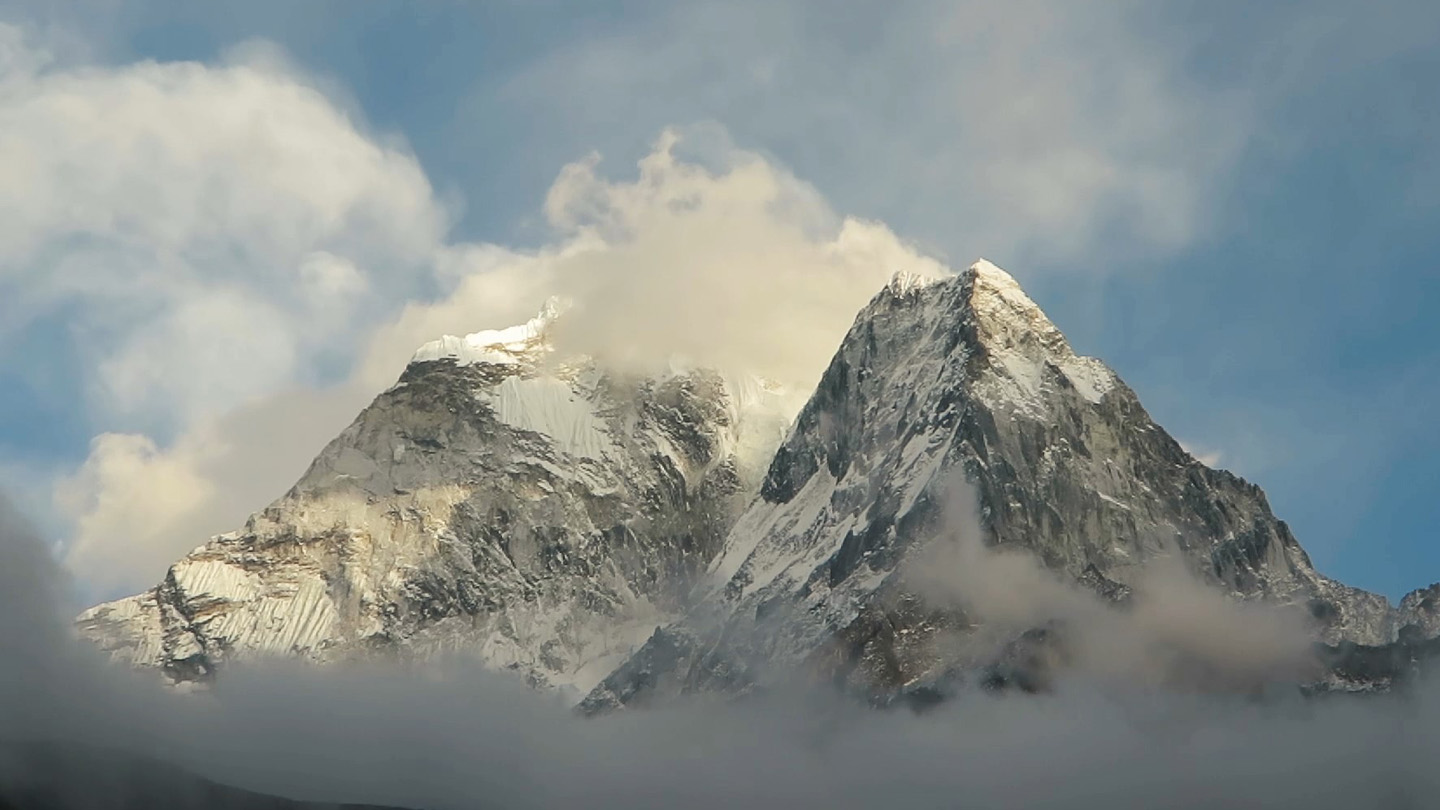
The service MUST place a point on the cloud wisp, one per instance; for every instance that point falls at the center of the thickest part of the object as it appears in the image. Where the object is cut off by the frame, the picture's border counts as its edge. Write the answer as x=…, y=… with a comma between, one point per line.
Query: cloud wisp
x=1171, y=631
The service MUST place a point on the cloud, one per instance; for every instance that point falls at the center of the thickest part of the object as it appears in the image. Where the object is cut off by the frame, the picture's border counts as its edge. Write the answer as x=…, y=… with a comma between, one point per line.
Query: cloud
x=1174, y=630
x=730, y=263
x=137, y=506
x=452, y=736
x=1042, y=133
x=207, y=232
x=741, y=267
x=1206, y=456
x=216, y=242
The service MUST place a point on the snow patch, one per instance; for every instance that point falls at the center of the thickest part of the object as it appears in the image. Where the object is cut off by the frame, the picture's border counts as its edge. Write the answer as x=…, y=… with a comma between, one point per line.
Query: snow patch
x=552, y=407
x=507, y=346
x=1023, y=343
x=1092, y=378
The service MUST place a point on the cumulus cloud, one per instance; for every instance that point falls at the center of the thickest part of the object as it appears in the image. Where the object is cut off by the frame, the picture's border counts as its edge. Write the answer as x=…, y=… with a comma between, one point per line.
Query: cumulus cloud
x=217, y=242
x=137, y=506
x=206, y=231
x=726, y=261
x=744, y=268
x=730, y=263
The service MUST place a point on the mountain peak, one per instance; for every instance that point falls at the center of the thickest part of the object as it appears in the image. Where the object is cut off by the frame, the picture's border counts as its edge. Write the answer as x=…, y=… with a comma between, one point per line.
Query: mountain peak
x=506, y=346
x=987, y=272
x=1025, y=349
x=957, y=467
x=996, y=295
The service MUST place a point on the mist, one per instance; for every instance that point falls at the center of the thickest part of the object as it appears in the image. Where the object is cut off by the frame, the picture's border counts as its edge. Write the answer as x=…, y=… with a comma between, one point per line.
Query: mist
x=455, y=736
x=1172, y=630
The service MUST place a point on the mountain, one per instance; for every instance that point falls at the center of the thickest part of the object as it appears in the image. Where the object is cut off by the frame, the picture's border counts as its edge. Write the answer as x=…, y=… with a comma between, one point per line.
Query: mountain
x=531, y=509
x=964, y=381
x=962, y=498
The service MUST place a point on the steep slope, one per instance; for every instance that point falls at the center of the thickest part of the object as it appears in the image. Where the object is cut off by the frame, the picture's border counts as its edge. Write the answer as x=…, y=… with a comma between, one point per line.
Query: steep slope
x=965, y=379
x=532, y=510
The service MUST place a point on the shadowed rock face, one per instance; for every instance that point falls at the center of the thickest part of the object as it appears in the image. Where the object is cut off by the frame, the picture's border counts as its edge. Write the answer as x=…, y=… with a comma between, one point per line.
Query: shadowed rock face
x=965, y=378
x=543, y=516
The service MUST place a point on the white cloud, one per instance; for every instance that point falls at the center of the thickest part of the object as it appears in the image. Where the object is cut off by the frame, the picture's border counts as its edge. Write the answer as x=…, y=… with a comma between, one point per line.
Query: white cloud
x=1206, y=456
x=744, y=267
x=217, y=240
x=128, y=495
x=737, y=265
x=210, y=350
x=740, y=266
x=137, y=506
x=206, y=229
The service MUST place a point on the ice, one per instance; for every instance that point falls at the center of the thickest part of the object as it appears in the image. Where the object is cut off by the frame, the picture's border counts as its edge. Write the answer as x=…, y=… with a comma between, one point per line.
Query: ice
x=499, y=346
x=550, y=406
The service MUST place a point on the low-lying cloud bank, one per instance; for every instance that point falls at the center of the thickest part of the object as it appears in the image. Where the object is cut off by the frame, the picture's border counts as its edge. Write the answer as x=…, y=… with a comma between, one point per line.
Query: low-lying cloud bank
x=457, y=737
x=1169, y=630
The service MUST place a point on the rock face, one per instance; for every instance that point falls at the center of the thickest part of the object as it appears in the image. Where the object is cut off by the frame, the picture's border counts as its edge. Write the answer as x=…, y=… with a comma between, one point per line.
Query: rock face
x=1419, y=614
x=540, y=513
x=966, y=379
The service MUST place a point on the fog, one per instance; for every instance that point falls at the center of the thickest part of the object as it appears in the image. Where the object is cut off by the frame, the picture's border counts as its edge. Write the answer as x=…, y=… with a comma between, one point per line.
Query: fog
x=457, y=737
x=1173, y=631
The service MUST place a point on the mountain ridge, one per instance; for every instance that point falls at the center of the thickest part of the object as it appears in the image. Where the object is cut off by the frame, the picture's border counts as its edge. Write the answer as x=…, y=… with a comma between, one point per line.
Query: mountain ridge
x=550, y=516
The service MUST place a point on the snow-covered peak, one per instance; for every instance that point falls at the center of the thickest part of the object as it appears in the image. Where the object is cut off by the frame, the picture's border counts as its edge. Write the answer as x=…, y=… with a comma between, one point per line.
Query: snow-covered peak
x=999, y=296
x=499, y=346
x=990, y=277
x=1022, y=342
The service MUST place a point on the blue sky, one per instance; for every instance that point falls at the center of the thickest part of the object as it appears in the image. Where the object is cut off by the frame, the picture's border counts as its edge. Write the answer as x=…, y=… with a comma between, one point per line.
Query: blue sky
x=1238, y=209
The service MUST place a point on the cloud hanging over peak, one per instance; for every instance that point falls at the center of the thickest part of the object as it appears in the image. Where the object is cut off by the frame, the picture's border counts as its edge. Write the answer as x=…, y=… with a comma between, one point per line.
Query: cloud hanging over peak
x=241, y=237
x=713, y=256
x=741, y=267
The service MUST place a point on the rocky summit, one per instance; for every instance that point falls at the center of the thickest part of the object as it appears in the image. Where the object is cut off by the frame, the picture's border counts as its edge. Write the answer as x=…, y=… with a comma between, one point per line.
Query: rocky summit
x=642, y=537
